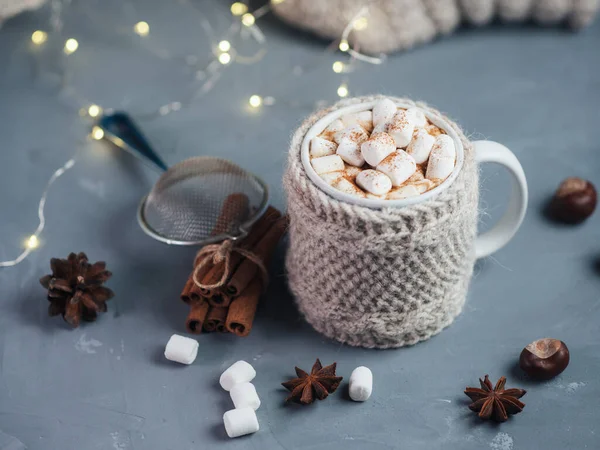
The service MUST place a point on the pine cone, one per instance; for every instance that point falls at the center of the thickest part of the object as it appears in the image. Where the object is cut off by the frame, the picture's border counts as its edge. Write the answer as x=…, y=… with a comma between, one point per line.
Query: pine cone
x=75, y=288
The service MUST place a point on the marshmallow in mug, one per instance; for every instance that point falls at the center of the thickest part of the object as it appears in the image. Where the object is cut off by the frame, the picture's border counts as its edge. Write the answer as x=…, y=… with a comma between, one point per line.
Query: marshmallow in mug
x=385, y=143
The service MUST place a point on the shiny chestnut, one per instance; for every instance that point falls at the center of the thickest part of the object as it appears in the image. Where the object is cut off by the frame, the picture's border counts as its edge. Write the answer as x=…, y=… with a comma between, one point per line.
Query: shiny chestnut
x=545, y=358
x=574, y=201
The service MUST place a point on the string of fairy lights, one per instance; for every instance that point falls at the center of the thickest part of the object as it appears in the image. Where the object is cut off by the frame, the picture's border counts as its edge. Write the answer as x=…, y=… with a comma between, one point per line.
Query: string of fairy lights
x=244, y=24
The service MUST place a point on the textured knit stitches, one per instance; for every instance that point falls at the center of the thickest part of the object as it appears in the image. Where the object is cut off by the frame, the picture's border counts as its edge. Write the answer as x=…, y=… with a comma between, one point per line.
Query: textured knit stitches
x=401, y=24
x=380, y=278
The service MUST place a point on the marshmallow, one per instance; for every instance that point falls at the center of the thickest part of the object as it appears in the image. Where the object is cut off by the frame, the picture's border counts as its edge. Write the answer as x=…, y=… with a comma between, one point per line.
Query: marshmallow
x=335, y=126
x=424, y=185
x=325, y=164
x=347, y=186
x=420, y=146
x=349, y=151
x=244, y=395
x=332, y=177
x=418, y=115
x=381, y=128
x=377, y=148
x=441, y=158
x=239, y=422
x=383, y=111
x=181, y=349
x=375, y=182
x=402, y=128
x=363, y=118
x=361, y=384
x=403, y=192
x=321, y=147
x=239, y=372
x=354, y=133
x=352, y=171
x=399, y=166
x=375, y=197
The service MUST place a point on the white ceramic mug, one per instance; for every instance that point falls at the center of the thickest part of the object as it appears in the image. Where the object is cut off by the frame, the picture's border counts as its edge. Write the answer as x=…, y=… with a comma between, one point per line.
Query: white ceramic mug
x=485, y=151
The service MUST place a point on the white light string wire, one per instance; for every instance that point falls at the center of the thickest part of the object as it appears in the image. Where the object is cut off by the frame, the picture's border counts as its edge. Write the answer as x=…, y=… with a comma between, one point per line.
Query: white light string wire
x=33, y=240
x=244, y=25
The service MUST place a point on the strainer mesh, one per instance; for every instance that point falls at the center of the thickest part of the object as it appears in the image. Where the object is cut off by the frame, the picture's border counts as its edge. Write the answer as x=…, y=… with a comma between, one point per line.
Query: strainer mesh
x=201, y=198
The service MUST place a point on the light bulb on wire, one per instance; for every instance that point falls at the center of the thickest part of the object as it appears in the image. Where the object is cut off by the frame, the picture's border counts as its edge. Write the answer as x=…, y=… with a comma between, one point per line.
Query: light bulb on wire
x=342, y=91
x=224, y=58
x=71, y=46
x=248, y=19
x=39, y=37
x=224, y=46
x=255, y=101
x=32, y=242
x=142, y=28
x=239, y=8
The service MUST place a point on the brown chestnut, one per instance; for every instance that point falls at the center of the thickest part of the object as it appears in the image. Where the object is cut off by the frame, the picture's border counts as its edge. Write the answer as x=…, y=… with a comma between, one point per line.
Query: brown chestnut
x=574, y=201
x=544, y=359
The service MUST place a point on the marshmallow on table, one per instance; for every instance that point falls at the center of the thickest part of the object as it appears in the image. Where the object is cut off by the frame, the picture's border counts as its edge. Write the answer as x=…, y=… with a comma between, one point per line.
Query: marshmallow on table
x=347, y=186
x=244, y=395
x=399, y=166
x=239, y=372
x=418, y=116
x=420, y=146
x=349, y=151
x=321, y=147
x=325, y=164
x=383, y=111
x=374, y=182
x=402, y=128
x=442, y=158
x=239, y=422
x=377, y=147
x=181, y=349
x=361, y=384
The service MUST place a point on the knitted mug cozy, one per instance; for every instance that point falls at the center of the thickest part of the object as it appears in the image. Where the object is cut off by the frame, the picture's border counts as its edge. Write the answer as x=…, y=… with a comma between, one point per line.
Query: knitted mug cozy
x=380, y=278
x=401, y=24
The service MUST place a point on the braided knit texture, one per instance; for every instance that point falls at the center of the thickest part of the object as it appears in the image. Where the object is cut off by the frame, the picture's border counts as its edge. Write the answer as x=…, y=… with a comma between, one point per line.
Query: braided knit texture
x=379, y=278
x=9, y=8
x=402, y=24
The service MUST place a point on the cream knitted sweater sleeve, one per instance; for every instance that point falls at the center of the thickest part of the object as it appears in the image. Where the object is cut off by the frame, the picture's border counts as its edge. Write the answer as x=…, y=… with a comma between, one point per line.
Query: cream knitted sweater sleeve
x=9, y=8
x=401, y=24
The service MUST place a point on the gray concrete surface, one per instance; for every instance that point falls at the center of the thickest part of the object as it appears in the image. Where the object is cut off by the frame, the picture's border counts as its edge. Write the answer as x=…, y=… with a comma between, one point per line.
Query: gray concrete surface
x=107, y=385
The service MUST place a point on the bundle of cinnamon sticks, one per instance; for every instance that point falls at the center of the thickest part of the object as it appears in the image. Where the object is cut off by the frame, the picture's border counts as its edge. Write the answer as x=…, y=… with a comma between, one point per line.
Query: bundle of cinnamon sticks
x=232, y=307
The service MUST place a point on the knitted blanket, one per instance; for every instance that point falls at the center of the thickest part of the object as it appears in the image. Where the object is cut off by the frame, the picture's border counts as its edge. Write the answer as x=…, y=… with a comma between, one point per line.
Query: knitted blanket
x=379, y=278
x=9, y=8
x=401, y=24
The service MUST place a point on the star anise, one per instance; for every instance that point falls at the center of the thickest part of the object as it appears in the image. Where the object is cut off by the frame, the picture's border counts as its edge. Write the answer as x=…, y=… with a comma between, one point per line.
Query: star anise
x=75, y=288
x=321, y=382
x=495, y=402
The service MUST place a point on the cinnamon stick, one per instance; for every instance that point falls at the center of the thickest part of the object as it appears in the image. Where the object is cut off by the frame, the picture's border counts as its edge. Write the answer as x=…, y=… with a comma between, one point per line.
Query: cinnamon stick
x=197, y=316
x=233, y=211
x=185, y=294
x=215, y=319
x=195, y=291
x=247, y=270
x=259, y=229
x=219, y=298
x=243, y=309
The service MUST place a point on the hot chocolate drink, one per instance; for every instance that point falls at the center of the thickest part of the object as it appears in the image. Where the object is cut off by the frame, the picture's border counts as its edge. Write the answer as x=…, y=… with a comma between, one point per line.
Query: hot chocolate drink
x=385, y=153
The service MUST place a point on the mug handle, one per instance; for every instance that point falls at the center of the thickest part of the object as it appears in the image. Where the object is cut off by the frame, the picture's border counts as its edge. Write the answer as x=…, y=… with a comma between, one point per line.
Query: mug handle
x=496, y=238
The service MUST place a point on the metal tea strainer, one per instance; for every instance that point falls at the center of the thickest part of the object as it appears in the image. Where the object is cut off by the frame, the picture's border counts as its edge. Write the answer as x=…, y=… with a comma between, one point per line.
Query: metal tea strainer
x=198, y=201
